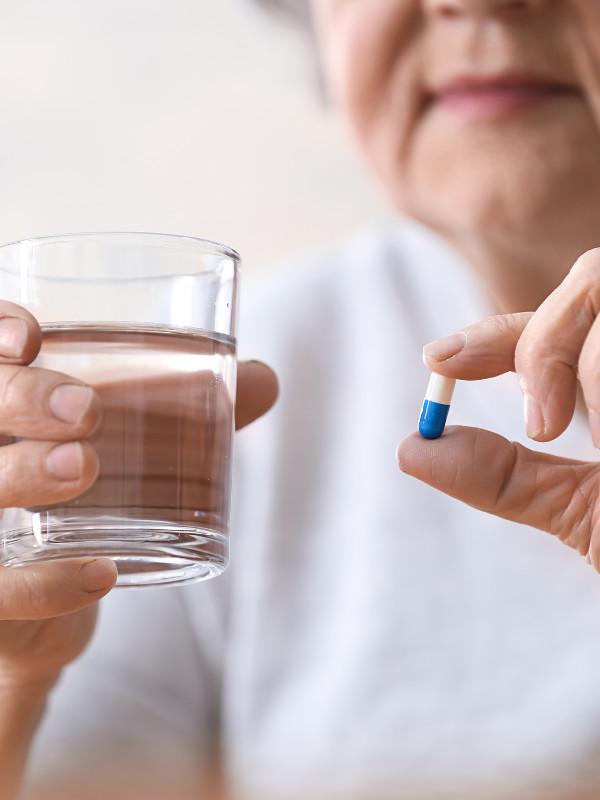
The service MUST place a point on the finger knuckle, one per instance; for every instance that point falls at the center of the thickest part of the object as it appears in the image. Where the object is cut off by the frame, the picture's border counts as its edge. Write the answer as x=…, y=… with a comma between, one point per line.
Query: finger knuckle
x=7, y=477
x=13, y=387
x=23, y=480
x=22, y=595
x=5, y=595
x=588, y=369
x=500, y=325
x=529, y=352
x=539, y=353
x=509, y=468
x=587, y=267
x=577, y=499
x=38, y=598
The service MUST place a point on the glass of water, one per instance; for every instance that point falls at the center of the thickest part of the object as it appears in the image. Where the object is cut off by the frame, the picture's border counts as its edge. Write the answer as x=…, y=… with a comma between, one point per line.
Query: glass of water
x=149, y=321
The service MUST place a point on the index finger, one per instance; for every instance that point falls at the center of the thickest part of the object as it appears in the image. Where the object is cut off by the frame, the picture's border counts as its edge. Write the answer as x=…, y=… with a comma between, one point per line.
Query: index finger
x=20, y=334
x=544, y=348
x=482, y=350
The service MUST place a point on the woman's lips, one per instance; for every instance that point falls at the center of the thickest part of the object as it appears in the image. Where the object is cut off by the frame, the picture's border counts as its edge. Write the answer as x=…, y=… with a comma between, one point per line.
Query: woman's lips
x=492, y=97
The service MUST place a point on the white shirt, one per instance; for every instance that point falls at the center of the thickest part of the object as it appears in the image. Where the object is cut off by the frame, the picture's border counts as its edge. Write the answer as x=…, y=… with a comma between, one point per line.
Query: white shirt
x=372, y=637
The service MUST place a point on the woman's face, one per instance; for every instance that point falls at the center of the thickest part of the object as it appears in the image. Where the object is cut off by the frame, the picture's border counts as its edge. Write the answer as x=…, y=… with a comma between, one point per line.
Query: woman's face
x=480, y=117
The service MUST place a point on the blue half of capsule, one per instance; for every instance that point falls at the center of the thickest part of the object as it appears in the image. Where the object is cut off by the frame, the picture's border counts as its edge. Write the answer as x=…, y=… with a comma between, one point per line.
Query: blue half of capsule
x=433, y=419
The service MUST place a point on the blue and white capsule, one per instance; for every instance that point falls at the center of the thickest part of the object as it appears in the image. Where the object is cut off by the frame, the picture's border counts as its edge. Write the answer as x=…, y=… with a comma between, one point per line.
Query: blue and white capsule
x=436, y=406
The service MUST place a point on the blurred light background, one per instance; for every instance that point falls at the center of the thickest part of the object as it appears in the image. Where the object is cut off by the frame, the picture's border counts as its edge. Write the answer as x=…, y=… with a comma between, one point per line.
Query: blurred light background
x=189, y=116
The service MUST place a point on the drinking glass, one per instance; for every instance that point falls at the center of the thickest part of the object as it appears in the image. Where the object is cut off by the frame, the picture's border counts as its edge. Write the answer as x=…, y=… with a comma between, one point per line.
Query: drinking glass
x=149, y=321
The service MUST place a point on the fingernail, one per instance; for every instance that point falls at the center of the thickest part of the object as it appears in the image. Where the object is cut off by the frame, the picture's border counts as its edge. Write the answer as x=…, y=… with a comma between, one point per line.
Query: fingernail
x=65, y=461
x=594, y=422
x=443, y=349
x=97, y=574
x=13, y=336
x=70, y=402
x=534, y=419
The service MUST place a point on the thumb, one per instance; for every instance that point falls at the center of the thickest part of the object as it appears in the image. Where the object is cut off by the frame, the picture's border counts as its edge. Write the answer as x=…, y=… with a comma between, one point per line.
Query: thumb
x=54, y=588
x=503, y=478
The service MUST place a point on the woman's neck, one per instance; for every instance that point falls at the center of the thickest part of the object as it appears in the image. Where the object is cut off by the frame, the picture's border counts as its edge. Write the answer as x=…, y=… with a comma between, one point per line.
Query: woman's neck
x=517, y=278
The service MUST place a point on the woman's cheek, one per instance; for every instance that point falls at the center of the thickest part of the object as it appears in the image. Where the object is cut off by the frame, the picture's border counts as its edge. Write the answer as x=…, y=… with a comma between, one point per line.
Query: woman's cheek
x=363, y=44
x=582, y=30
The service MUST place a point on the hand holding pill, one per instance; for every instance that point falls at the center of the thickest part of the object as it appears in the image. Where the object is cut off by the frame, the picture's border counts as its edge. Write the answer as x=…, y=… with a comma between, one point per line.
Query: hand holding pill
x=555, y=351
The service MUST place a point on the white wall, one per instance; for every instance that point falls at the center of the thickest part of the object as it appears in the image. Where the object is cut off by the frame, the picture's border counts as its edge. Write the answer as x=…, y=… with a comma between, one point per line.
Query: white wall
x=187, y=116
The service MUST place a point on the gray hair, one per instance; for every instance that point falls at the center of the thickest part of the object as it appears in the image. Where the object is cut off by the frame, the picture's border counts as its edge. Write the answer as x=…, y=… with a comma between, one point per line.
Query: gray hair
x=296, y=9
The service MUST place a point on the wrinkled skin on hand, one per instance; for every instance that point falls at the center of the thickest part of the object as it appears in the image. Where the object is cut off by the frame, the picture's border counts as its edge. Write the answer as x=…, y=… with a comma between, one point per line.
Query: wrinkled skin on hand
x=48, y=610
x=556, y=353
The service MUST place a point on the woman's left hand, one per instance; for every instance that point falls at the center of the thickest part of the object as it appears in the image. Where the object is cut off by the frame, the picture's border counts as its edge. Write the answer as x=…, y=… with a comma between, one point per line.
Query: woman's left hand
x=553, y=350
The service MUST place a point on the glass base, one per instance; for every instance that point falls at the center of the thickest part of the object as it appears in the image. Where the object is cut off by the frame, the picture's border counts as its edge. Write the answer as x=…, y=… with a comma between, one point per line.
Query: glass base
x=145, y=553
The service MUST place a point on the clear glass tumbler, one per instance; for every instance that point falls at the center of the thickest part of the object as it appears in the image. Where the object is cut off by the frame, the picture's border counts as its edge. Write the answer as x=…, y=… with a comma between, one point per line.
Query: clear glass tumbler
x=148, y=320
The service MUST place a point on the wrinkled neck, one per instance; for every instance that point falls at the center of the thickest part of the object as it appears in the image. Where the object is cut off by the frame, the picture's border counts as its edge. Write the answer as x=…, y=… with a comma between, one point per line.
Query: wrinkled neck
x=516, y=277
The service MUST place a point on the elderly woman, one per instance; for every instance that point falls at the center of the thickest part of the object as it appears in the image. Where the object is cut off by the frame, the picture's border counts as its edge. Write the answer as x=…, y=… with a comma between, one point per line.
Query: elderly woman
x=374, y=638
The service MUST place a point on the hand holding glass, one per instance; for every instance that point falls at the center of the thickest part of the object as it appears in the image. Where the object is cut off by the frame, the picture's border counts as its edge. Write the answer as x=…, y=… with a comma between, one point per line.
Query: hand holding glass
x=148, y=321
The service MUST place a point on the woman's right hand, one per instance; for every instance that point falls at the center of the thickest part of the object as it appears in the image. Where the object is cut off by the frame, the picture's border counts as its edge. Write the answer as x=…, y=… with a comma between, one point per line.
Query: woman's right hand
x=47, y=611
x=556, y=353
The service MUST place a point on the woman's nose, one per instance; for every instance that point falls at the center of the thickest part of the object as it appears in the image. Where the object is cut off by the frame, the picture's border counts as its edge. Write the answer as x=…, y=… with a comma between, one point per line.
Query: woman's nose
x=482, y=8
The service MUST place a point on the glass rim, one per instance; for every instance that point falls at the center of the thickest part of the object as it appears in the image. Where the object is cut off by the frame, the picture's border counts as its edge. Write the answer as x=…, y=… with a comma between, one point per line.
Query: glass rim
x=210, y=246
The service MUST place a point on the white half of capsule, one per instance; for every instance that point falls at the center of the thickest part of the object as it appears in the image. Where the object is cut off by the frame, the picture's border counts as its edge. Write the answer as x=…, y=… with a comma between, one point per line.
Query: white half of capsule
x=440, y=389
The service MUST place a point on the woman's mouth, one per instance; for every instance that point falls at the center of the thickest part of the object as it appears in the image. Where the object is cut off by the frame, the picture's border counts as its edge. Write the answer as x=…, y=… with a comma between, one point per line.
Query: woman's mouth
x=490, y=97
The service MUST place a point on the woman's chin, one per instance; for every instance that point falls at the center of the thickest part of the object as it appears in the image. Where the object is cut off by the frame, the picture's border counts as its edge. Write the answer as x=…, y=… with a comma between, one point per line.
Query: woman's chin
x=525, y=224
x=530, y=163
x=525, y=182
